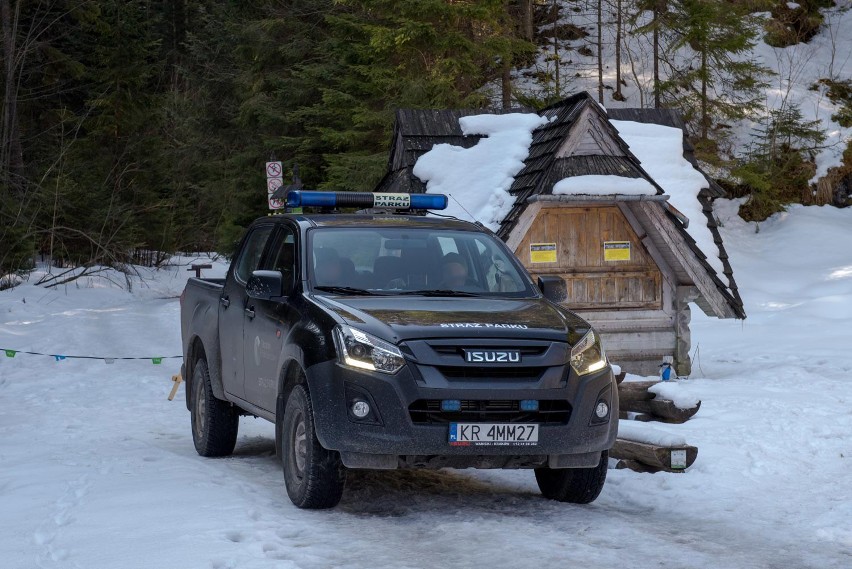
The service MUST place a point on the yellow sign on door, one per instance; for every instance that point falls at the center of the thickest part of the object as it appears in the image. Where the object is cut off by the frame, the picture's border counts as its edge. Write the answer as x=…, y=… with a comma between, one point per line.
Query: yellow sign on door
x=542, y=252
x=616, y=250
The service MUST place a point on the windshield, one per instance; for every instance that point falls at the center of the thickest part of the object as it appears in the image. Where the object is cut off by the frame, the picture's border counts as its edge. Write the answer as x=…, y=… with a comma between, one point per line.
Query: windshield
x=397, y=260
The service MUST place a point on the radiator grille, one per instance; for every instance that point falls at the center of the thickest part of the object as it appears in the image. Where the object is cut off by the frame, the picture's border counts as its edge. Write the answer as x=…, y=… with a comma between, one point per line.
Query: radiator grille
x=550, y=412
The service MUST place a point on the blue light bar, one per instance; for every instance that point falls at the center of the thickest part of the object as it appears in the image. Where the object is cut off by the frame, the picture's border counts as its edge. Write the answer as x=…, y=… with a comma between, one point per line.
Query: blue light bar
x=450, y=405
x=300, y=198
x=529, y=405
x=429, y=201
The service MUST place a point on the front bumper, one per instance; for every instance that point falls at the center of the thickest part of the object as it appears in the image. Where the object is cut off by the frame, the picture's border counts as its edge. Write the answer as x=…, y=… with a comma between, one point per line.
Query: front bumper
x=394, y=439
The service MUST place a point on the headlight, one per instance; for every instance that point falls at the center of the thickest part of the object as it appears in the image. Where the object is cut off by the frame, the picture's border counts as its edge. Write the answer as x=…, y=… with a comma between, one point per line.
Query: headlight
x=363, y=351
x=588, y=355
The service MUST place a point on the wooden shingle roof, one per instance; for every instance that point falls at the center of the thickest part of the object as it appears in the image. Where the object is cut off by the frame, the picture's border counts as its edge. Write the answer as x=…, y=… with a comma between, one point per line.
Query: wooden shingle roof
x=670, y=117
x=417, y=131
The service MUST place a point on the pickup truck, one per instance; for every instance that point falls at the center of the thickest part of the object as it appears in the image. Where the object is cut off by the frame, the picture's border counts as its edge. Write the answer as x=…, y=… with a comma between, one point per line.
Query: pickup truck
x=383, y=341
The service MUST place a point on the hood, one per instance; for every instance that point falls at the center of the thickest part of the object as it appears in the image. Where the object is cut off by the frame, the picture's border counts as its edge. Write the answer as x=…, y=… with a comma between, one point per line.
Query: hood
x=396, y=318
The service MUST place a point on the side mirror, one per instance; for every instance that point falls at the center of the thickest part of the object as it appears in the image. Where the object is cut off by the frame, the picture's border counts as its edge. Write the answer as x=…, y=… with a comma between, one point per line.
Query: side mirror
x=553, y=288
x=264, y=285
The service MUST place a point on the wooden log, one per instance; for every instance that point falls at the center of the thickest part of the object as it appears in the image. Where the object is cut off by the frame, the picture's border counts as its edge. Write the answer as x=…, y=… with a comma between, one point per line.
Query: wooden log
x=670, y=412
x=635, y=466
x=661, y=410
x=633, y=396
x=630, y=391
x=668, y=459
x=633, y=416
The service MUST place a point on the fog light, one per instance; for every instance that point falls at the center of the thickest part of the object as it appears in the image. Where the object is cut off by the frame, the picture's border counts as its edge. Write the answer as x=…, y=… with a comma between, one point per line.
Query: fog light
x=450, y=405
x=602, y=409
x=529, y=405
x=360, y=409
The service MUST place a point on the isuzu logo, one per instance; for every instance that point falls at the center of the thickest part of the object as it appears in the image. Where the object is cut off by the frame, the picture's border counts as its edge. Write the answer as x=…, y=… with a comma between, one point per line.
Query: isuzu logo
x=492, y=356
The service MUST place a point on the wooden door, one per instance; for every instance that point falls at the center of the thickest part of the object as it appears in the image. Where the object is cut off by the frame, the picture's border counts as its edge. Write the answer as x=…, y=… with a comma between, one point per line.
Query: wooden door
x=591, y=244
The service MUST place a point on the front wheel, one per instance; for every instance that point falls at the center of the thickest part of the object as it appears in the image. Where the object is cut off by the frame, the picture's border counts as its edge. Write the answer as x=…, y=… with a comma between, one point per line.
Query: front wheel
x=214, y=422
x=574, y=485
x=314, y=476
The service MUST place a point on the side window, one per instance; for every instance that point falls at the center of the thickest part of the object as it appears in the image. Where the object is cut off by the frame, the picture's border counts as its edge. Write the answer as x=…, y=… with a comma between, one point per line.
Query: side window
x=249, y=257
x=498, y=277
x=282, y=255
x=448, y=245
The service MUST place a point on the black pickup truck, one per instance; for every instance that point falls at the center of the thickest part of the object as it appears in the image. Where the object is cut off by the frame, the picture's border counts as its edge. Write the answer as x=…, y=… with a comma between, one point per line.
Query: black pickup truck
x=385, y=341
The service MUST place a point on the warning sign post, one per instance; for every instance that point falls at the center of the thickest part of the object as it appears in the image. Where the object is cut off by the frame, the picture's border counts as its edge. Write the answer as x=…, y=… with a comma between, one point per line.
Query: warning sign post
x=274, y=180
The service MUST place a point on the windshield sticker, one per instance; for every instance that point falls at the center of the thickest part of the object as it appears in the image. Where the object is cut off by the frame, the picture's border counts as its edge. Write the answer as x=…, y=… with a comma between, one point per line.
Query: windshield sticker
x=542, y=252
x=484, y=325
x=616, y=250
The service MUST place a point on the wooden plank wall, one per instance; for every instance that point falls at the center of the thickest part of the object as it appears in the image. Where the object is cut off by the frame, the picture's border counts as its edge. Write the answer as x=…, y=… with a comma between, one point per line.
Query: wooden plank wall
x=593, y=282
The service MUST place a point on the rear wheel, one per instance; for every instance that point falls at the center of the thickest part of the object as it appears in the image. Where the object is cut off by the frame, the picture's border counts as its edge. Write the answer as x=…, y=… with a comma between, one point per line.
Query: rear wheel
x=314, y=476
x=574, y=485
x=214, y=422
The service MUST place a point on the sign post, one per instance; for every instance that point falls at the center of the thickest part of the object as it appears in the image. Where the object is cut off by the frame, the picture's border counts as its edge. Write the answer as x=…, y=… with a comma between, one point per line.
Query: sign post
x=274, y=180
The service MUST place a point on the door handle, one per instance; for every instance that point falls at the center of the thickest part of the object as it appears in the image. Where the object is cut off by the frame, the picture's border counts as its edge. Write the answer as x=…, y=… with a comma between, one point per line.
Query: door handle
x=226, y=302
x=250, y=311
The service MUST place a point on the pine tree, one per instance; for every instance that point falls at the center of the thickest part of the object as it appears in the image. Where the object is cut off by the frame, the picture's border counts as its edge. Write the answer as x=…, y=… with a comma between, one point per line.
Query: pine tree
x=780, y=163
x=718, y=79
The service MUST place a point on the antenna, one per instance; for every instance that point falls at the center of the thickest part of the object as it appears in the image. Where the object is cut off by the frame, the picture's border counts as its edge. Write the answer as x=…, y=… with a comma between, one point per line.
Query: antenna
x=463, y=208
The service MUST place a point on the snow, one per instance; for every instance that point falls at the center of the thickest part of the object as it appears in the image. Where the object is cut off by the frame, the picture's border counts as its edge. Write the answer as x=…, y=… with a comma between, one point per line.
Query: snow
x=647, y=433
x=478, y=178
x=678, y=393
x=98, y=470
x=660, y=150
x=604, y=185
x=796, y=70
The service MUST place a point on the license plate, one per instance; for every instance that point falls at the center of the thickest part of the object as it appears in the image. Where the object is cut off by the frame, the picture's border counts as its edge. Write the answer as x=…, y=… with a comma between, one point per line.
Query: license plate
x=493, y=434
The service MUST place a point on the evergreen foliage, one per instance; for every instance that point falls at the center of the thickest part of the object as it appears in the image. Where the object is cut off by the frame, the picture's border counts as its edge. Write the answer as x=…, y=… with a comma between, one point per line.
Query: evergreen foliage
x=780, y=163
x=129, y=126
x=717, y=83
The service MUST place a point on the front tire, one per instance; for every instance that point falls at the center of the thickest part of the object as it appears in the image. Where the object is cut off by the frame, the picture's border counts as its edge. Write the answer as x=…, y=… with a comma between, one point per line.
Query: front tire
x=314, y=476
x=214, y=422
x=573, y=485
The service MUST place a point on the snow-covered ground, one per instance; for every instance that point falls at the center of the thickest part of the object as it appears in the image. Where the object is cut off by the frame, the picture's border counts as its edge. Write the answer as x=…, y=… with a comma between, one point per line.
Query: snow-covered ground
x=97, y=469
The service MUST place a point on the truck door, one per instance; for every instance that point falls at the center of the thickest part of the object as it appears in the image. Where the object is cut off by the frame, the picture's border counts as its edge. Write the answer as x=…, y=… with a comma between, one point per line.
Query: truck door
x=266, y=332
x=232, y=308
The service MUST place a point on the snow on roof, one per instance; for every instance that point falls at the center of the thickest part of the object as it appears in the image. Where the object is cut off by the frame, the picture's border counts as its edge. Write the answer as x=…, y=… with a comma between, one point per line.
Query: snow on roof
x=478, y=178
x=604, y=185
x=660, y=150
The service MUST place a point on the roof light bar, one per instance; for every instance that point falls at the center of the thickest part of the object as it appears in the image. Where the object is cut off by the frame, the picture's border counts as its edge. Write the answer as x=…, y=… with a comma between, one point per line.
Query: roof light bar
x=300, y=198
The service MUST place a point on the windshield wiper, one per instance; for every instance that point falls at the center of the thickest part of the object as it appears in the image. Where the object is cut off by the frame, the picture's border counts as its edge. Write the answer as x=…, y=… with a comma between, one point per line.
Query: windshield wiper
x=438, y=292
x=344, y=290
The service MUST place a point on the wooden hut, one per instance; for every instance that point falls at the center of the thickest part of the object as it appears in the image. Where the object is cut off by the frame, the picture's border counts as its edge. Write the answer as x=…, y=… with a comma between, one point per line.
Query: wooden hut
x=630, y=265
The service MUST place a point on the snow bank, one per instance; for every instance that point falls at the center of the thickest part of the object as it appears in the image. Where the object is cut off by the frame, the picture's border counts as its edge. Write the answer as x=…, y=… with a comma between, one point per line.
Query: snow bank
x=601, y=185
x=660, y=150
x=646, y=433
x=478, y=178
x=677, y=392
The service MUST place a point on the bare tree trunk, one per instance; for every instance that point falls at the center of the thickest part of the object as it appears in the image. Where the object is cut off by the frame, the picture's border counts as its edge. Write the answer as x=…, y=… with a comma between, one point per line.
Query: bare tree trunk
x=600, y=53
x=656, y=55
x=11, y=153
x=506, y=84
x=527, y=19
x=618, y=95
x=705, y=118
x=558, y=87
